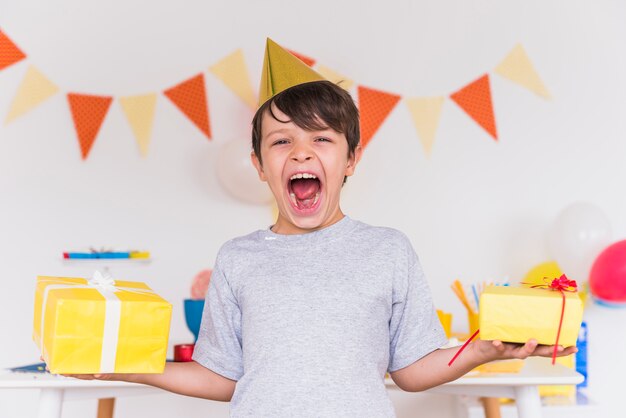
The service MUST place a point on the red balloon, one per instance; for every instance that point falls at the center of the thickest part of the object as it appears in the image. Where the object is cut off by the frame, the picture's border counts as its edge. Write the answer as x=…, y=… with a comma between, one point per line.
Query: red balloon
x=607, y=279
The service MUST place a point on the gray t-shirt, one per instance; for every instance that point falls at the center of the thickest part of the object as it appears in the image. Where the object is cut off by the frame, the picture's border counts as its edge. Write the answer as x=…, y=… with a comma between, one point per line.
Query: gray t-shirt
x=309, y=324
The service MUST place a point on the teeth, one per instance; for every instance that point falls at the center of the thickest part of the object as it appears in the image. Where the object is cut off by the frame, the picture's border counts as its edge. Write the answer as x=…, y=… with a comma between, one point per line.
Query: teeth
x=292, y=196
x=303, y=176
x=317, y=196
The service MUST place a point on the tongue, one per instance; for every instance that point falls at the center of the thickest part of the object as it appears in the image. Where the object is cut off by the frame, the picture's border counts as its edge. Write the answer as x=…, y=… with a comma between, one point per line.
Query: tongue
x=305, y=188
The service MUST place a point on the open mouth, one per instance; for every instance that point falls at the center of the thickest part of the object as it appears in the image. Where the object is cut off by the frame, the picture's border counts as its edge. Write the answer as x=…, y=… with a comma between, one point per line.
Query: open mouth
x=304, y=191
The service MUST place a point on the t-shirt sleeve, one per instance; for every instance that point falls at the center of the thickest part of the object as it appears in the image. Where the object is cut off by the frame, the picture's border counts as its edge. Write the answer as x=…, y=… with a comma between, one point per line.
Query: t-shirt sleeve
x=415, y=330
x=219, y=342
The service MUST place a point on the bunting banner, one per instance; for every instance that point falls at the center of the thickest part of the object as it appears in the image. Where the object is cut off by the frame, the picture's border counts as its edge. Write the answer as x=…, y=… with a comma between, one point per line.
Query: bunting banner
x=33, y=90
x=374, y=107
x=88, y=113
x=475, y=100
x=139, y=111
x=9, y=52
x=425, y=113
x=190, y=98
x=518, y=68
x=335, y=77
x=233, y=72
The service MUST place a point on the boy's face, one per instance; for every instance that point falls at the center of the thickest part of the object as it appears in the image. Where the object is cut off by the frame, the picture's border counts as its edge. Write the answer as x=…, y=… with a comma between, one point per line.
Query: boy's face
x=305, y=171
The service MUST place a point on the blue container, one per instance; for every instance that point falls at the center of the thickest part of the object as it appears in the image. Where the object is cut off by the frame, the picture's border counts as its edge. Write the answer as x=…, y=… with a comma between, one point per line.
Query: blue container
x=193, y=315
x=581, y=355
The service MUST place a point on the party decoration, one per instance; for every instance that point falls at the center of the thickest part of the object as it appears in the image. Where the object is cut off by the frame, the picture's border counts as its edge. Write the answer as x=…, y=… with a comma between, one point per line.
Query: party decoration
x=282, y=70
x=333, y=76
x=9, y=52
x=576, y=237
x=189, y=97
x=537, y=274
x=233, y=72
x=475, y=100
x=88, y=113
x=425, y=113
x=374, y=107
x=518, y=68
x=100, y=325
x=307, y=60
x=34, y=89
x=139, y=111
x=237, y=174
x=607, y=280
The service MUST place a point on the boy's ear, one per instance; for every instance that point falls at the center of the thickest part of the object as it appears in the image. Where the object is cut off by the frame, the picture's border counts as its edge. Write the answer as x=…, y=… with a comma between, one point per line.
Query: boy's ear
x=353, y=160
x=257, y=164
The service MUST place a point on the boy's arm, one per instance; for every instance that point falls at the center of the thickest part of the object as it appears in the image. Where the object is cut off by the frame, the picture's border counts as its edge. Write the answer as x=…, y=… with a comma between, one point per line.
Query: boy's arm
x=189, y=378
x=433, y=370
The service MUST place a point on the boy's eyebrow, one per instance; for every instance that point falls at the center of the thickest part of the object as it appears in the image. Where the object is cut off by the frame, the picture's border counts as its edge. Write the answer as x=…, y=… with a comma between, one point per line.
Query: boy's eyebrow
x=278, y=131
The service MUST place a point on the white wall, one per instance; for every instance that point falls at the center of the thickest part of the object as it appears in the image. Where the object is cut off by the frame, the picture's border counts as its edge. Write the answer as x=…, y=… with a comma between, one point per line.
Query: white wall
x=475, y=209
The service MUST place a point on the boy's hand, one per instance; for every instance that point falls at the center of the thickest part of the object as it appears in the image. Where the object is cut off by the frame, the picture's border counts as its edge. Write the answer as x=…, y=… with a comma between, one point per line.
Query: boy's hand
x=498, y=350
x=110, y=376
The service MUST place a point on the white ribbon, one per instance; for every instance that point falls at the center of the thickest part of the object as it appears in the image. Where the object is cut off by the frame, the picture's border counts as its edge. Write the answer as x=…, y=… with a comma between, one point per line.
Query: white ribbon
x=104, y=284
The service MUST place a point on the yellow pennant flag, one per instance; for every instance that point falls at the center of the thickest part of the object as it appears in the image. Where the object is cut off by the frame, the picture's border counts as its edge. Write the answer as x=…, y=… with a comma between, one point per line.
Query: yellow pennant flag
x=518, y=68
x=335, y=77
x=34, y=89
x=233, y=72
x=139, y=111
x=425, y=113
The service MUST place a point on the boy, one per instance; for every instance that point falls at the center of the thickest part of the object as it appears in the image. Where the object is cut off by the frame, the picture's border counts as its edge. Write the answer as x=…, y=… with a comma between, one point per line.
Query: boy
x=306, y=317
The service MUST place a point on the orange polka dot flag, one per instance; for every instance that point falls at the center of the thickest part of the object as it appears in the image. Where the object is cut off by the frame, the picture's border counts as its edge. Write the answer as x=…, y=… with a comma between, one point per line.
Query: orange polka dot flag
x=88, y=113
x=190, y=97
x=475, y=100
x=374, y=107
x=307, y=60
x=9, y=52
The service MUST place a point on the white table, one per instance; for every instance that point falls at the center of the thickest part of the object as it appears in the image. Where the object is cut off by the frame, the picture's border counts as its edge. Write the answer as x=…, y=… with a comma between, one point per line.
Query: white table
x=522, y=386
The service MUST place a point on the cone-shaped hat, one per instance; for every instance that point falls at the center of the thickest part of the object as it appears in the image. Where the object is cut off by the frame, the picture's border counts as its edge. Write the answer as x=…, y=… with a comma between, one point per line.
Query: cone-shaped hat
x=282, y=70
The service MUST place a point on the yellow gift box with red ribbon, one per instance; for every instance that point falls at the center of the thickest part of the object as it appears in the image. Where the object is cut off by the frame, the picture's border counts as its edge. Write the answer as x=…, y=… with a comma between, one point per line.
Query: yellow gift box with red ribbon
x=517, y=314
x=98, y=325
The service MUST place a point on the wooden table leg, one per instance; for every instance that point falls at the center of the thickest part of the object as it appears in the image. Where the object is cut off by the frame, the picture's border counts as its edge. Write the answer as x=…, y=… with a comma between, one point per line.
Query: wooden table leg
x=105, y=407
x=491, y=407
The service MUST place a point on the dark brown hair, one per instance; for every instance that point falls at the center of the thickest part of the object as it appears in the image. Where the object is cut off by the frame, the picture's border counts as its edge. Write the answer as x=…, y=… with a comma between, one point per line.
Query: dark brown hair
x=312, y=106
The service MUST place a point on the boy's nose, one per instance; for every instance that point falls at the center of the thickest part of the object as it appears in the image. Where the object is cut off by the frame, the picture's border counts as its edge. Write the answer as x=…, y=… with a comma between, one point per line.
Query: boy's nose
x=301, y=153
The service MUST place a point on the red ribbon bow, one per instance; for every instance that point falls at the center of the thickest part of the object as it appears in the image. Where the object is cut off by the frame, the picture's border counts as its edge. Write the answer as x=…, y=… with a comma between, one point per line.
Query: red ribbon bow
x=562, y=284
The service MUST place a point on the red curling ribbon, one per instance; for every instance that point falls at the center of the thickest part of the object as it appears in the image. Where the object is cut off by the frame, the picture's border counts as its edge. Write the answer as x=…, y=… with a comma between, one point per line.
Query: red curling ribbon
x=562, y=284
x=458, y=353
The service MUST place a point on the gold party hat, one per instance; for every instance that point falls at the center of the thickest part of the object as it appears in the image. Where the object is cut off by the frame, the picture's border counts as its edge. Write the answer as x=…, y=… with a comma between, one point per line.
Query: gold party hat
x=282, y=70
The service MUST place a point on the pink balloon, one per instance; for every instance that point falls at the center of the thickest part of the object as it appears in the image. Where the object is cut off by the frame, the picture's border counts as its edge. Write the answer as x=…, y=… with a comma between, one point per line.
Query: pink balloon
x=607, y=279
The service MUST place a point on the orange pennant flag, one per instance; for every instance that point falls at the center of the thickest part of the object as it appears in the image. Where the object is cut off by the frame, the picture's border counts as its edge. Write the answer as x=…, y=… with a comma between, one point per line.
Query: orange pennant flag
x=190, y=97
x=475, y=100
x=9, y=52
x=88, y=113
x=374, y=107
x=307, y=60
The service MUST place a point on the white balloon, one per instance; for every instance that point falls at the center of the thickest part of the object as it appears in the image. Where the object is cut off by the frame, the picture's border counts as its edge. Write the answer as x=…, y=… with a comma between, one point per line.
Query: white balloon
x=579, y=233
x=237, y=174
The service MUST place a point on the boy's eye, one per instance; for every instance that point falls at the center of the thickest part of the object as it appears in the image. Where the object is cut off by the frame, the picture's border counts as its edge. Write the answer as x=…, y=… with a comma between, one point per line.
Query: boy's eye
x=323, y=139
x=279, y=142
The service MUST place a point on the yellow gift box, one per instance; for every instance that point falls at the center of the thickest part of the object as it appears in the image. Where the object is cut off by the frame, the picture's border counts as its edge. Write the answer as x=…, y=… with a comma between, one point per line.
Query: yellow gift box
x=98, y=325
x=517, y=314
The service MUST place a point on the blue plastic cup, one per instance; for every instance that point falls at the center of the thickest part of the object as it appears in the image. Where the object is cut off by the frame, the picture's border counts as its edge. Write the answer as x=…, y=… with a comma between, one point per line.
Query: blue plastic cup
x=193, y=315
